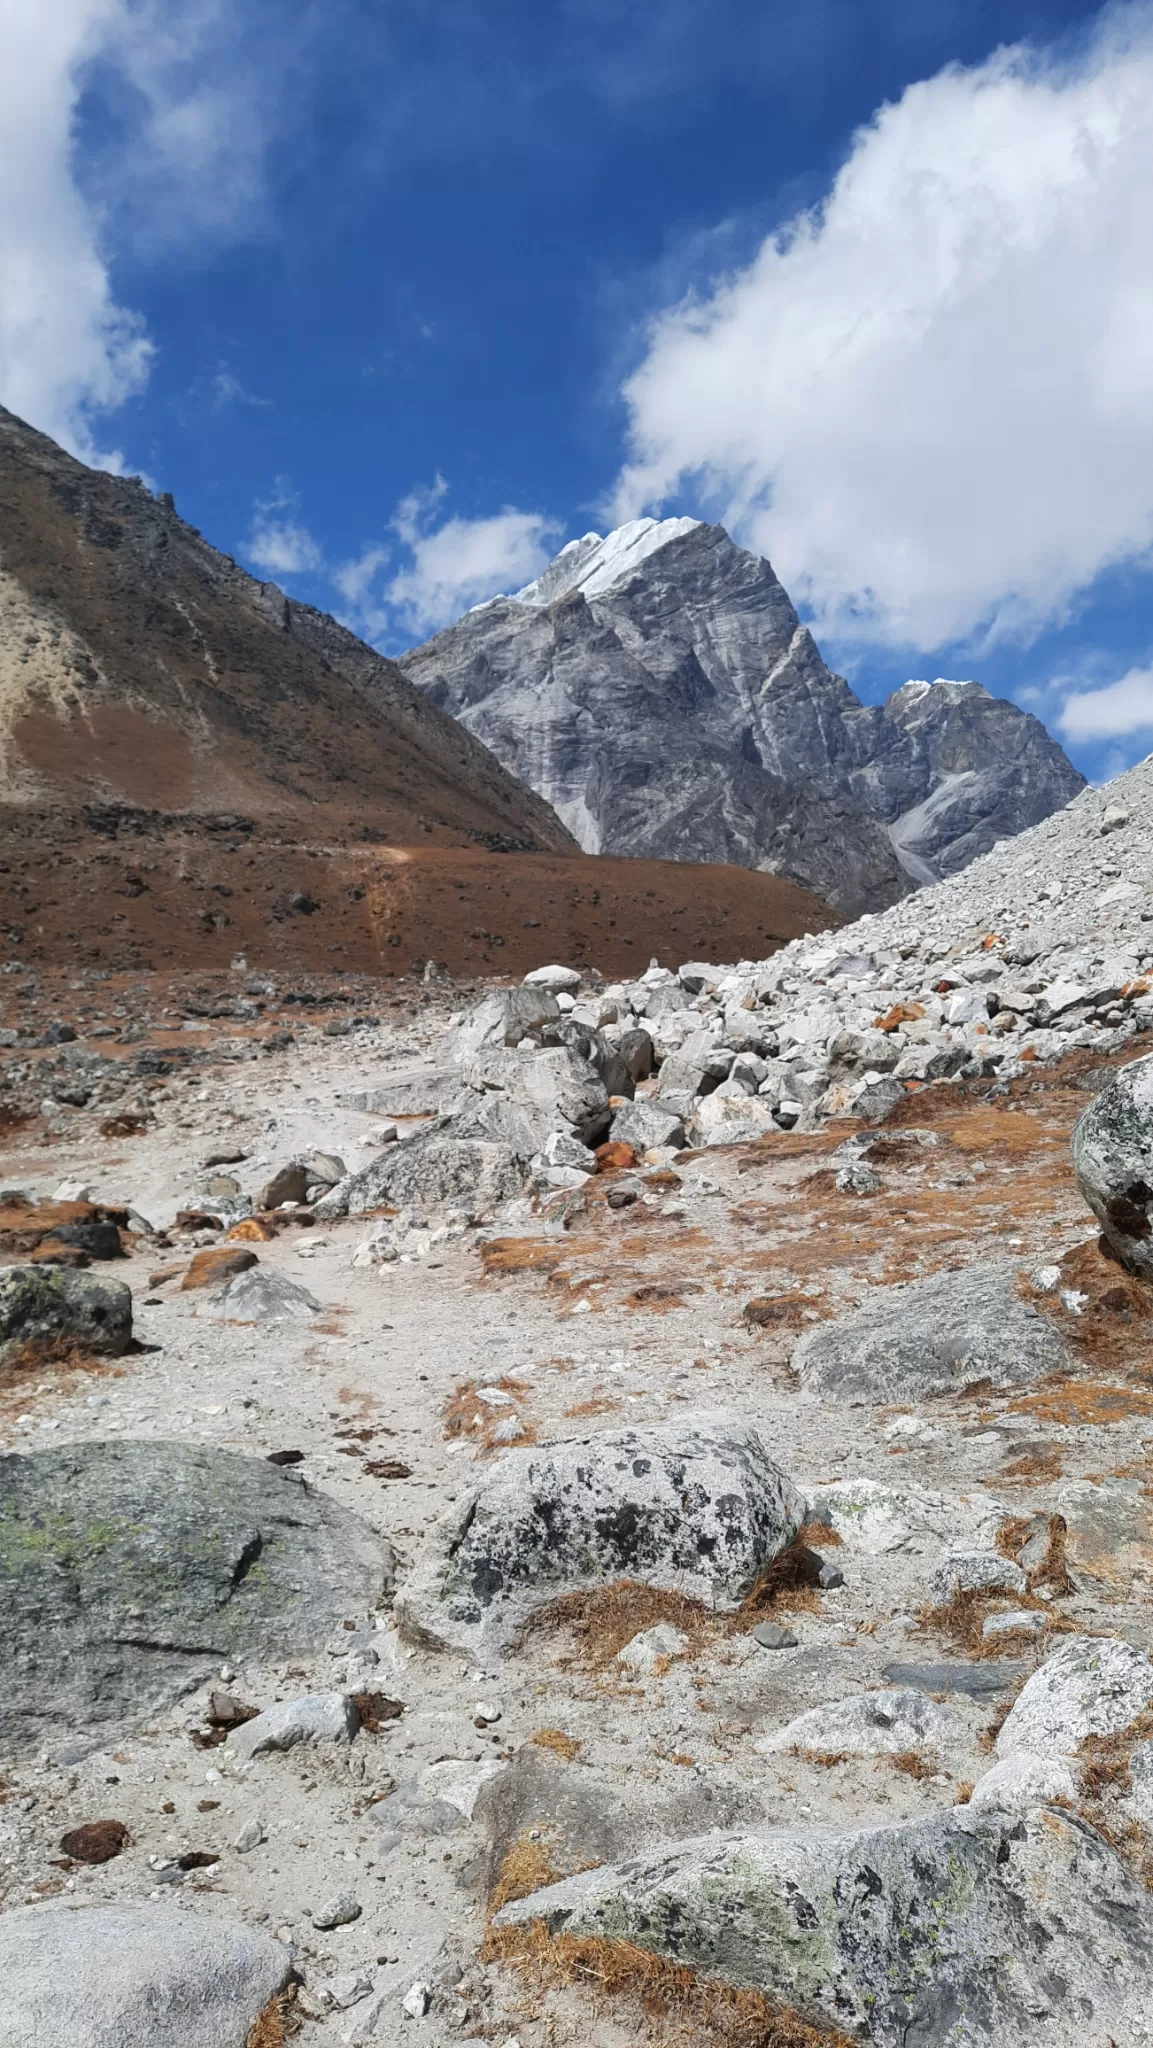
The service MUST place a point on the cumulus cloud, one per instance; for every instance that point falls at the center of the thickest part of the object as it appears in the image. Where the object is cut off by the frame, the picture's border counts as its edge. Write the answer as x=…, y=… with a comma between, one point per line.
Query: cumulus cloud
x=930, y=399
x=141, y=121
x=1110, y=713
x=278, y=540
x=65, y=344
x=463, y=561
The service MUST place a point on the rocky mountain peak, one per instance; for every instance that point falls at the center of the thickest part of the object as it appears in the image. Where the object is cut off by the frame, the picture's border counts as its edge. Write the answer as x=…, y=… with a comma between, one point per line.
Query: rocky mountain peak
x=656, y=685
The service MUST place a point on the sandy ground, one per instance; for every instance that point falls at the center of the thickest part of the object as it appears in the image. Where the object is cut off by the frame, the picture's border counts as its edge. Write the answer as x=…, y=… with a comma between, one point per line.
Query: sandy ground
x=632, y=1315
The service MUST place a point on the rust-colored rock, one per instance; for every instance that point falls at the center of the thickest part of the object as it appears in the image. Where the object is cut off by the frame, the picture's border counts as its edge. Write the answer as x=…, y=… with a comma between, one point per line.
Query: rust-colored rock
x=253, y=1230
x=901, y=1013
x=97, y=1842
x=216, y=1266
x=615, y=1156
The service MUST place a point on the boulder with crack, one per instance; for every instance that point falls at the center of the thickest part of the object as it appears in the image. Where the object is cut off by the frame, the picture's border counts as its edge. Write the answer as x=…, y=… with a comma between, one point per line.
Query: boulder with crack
x=933, y=1336
x=696, y=1507
x=128, y=1571
x=975, y=1928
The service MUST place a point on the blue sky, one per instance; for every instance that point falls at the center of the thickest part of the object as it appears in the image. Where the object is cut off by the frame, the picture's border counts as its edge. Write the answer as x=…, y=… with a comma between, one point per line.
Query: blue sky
x=395, y=299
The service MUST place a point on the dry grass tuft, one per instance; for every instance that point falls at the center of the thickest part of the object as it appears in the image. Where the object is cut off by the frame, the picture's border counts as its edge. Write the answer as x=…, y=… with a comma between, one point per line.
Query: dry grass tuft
x=823, y=1759
x=912, y=1764
x=1053, y=1569
x=1034, y=1468
x=668, y=1999
x=531, y=1254
x=600, y=1404
x=964, y=1617
x=560, y=1743
x=784, y=1311
x=279, y=2021
x=527, y=1867
x=466, y=1415
x=602, y=1619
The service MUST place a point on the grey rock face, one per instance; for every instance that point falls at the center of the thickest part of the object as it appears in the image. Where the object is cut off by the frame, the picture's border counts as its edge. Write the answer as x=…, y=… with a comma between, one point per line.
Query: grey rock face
x=647, y=1124
x=660, y=690
x=975, y=1928
x=129, y=1570
x=48, y=1311
x=698, y=1507
x=316, y=1717
x=1113, y=1161
x=934, y=1336
x=133, y=1977
x=435, y=1169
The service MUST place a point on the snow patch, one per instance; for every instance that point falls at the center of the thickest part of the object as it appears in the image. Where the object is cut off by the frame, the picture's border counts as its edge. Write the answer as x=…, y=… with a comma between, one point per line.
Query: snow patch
x=595, y=562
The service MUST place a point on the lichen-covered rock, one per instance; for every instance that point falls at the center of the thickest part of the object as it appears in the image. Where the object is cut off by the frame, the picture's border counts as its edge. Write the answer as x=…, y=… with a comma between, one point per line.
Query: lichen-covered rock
x=1113, y=1162
x=697, y=1507
x=891, y=1722
x=132, y=1976
x=49, y=1312
x=129, y=1571
x=976, y=1930
x=433, y=1169
x=876, y=1517
x=932, y=1336
x=1092, y=1685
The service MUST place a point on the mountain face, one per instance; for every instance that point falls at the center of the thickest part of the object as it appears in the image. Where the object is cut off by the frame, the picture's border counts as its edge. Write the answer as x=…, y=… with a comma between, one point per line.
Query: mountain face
x=658, y=688
x=140, y=667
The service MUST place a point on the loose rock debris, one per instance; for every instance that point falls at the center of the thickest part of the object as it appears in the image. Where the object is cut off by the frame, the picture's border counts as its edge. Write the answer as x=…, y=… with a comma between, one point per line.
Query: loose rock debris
x=592, y=1514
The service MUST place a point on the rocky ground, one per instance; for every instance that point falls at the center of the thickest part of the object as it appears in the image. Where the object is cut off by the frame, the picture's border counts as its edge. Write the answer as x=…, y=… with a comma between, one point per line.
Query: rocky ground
x=889, y=1404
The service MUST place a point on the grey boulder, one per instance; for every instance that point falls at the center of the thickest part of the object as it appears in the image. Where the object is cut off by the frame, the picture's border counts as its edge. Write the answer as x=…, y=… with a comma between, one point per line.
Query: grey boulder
x=887, y=1723
x=696, y=1507
x=259, y=1296
x=1092, y=1685
x=128, y=1571
x=51, y=1312
x=1113, y=1162
x=314, y=1717
x=430, y=1170
x=133, y=1976
x=646, y=1125
x=978, y=1929
x=974, y=1571
x=933, y=1336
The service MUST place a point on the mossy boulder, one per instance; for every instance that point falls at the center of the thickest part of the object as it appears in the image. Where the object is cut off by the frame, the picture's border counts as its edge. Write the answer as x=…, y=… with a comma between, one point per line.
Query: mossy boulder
x=974, y=1928
x=130, y=1571
x=51, y=1312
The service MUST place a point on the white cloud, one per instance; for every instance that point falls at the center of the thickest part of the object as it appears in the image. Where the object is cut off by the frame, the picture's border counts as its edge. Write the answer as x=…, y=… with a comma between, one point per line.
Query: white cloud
x=279, y=542
x=355, y=579
x=1111, y=713
x=65, y=344
x=464, y=561
x=930, y=401
x=184, y=92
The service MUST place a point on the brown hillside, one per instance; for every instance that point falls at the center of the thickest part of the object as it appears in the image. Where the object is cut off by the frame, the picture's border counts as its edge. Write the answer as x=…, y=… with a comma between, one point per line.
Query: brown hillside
x=194, y=766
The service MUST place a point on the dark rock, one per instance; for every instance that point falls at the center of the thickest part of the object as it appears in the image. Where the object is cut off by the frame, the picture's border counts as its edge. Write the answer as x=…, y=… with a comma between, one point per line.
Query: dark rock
x=98, y=1841
x=978, y=1681
x=99, y=1240
x=130, y=1571
x=48, y=1313
x=290, y=1184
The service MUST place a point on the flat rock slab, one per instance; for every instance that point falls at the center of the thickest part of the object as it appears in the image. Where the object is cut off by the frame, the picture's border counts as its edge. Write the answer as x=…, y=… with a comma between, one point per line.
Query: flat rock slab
x=129, y=1571
x=892, y=1722
x=696, y=1507
x=980, y=1929
x=977, y=1681
x=933, y=1336
x=133, y=1977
